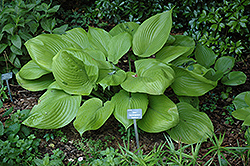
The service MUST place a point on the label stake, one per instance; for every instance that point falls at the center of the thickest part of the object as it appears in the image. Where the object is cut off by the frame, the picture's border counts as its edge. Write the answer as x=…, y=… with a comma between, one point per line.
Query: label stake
x=135, y=114
x=6, y=77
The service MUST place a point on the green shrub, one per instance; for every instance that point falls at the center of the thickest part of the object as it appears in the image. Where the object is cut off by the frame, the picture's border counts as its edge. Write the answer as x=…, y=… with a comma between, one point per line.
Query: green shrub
x=20, y=21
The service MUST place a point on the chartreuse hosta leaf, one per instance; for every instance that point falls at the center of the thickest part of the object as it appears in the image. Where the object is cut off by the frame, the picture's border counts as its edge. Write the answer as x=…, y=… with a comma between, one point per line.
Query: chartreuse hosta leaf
x=224, y=64
x=189, y=83
x=99, y=39
x=170, y=53
x=75, y=71
x=152, y=77
x=193, y=126
x=129, y=27
x=118, y=46
x=242, y=100
x=37, y=84
x=31, y=71
x=161, y=115
x=92, y=115
x=105, y=67
x=123, y=101
x=234, y=78
x=44, y=47
x=152, y=34
x=56, y=109
x=113, y=79
x=242, y=105
x=78, y=37
x=184, y=41
x=205, y=56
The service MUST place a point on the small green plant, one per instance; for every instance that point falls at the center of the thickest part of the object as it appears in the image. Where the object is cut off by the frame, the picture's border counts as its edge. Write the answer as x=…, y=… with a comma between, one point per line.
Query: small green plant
x=18, y=146
x=48, y=136
x=13, y=124
x=224, y=95
x=210, y=104
x=3, y=94
x=179, y=156
x=221, y=151
x=230, y=108
x=91, y=148
x=55, y=159
x=107, y=157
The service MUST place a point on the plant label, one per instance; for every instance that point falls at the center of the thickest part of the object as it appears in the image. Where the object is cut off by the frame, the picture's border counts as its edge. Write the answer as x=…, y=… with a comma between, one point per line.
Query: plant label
x=134, y=113
x=6, y=76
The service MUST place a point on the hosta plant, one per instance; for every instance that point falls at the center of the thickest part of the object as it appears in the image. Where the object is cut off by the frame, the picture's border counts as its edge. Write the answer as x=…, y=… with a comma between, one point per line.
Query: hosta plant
x=242, y=105
x=84, y=82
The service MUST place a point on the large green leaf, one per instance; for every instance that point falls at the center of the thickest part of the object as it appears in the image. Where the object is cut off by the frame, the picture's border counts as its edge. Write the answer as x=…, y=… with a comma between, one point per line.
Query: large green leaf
x=124, y=101
x=129, y=27
x=170, y=53
x=78, y=37
x=194, y=126
x=37, y=84
x=95, y=54
x=92, y=115
x=224, y=64
x=184, y=41
x=189, y=83
x=118, y=46
x=44, y=47
x=99, y=39
x=152, y=77
x=204, y=55
x=75, y=71
x=234, y=78
x=113, y=79
x=56, y=109
x=194, y=101
x=105, y=67
x=152, y=34
x=31, y=71
x=161, y=115
x=241, y=100
x=242, y=113
x=213, y=75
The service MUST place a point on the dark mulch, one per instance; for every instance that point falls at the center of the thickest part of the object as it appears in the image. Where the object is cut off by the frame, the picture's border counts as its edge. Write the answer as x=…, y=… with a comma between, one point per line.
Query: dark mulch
x=234, y=133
